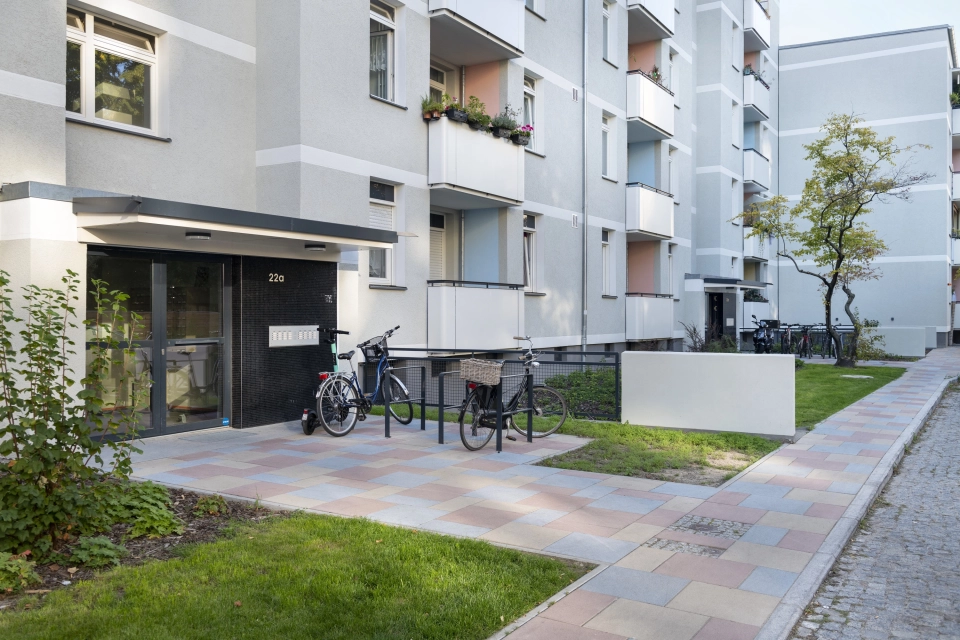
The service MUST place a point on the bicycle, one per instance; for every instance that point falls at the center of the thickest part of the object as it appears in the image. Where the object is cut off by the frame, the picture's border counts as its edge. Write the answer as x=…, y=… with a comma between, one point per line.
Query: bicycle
x=549, y=407
x=340, y=401
x=803, y=345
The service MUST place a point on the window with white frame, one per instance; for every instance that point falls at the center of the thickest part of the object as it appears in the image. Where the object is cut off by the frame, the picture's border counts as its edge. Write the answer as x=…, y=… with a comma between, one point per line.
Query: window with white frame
x=437, y=250
x=609, y=31
x=382, y=215
x=673, y=179
x=736, y=122
x=438, y=83
x=530, y=109
x=674, y=79
x=530, y=252
x=736, y=201
x=670, y=270
x=608, y=147
x=383, y=28
x=111, y=73
x=607, y=258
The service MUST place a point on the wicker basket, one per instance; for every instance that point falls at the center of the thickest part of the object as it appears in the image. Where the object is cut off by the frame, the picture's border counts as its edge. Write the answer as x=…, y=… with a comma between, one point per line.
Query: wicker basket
x=481, y=371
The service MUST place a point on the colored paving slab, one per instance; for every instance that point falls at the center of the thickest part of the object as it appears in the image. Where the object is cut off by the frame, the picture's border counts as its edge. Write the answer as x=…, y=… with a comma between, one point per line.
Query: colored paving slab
x=675, y=561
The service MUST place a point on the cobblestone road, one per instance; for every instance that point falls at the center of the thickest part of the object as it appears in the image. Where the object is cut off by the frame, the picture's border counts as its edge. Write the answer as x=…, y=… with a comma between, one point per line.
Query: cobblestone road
x=900, y=575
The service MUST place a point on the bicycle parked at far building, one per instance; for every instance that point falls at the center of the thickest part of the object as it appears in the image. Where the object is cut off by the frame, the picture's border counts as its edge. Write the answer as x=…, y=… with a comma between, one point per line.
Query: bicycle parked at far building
x=341, y=403
x=478, y=415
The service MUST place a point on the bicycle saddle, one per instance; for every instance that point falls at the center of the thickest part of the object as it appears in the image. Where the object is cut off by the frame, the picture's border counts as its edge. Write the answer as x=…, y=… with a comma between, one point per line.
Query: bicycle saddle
x=346, y=356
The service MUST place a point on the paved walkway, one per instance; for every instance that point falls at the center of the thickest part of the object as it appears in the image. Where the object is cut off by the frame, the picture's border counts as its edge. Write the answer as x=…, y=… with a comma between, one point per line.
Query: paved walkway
x=898, y=578
x=678, y=561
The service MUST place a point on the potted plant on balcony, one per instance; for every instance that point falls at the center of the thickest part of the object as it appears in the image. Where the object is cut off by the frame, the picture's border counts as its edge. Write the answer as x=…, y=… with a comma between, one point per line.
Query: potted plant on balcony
x=477, y=116
x=504, y=123
x=522, y=135
x=431, y=109
x=451, y=109
x=752, y=295
x=955, y=100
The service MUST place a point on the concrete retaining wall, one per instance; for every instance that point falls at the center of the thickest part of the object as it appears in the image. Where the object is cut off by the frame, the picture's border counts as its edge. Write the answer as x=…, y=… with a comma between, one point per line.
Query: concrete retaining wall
x=744, y=393
x=904, y=341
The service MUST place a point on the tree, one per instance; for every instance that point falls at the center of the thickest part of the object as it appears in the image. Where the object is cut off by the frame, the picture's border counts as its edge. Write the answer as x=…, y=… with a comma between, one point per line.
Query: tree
x=825, y=235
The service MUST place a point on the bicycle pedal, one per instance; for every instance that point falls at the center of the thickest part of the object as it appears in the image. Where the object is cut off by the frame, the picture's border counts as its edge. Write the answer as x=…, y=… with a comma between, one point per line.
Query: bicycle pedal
x=361, y=417
x=512, y=438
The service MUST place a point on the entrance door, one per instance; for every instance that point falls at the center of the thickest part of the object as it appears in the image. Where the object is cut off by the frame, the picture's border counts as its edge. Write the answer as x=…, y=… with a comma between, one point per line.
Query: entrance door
x=184, y=304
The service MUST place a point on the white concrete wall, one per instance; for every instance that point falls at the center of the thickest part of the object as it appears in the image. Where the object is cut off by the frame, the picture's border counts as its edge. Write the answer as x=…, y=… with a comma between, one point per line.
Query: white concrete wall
x=904, y=341
x=709, y=391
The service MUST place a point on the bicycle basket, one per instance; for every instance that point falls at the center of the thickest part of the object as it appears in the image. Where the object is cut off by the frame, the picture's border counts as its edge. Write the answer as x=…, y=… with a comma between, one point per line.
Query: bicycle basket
x=372, y=353
x=481, y=371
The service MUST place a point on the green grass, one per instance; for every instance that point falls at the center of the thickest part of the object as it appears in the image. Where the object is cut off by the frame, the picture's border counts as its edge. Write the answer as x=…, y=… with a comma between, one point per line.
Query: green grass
x=305, y=576
x=821, y=390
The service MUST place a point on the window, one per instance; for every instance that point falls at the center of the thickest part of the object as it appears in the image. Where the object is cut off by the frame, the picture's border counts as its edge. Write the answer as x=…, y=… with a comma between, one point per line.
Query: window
x=607, y=147
x=736, y=201
x=529, y=252
x=674, y=79
x=736, y=122
x=111, y=72
x=530, y=108
x=670, y=270
x=382, y=30
x=437, y=224
x=381, y=217
x=607, y=262
x=673, y=177
x=609, y=31
x=438, y=84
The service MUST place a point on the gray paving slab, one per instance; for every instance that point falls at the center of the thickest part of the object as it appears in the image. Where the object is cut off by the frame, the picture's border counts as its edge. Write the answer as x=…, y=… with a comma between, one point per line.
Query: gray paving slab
x=641, y=586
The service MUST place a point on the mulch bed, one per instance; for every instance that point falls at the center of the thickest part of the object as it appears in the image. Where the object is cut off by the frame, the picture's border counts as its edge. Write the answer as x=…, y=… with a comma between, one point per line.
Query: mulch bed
x=196, y=529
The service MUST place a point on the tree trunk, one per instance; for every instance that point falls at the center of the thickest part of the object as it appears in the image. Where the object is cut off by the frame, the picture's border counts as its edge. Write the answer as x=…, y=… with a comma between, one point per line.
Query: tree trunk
x=851, y=354
x=832, y=331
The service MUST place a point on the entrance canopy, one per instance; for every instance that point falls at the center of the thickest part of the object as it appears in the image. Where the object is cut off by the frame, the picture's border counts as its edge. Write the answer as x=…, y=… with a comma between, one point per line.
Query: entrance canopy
x=133, y=221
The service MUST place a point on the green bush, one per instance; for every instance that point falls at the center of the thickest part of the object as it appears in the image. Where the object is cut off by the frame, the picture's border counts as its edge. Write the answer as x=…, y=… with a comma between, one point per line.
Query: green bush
x=724, y=344
x=211, y=506
x=589, y=393
x=16, y=572
x=143, y=505
x=97, y=552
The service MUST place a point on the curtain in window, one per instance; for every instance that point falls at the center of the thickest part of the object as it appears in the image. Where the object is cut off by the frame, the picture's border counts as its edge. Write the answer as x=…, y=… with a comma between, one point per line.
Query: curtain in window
x=528, y=259
x=379, y=61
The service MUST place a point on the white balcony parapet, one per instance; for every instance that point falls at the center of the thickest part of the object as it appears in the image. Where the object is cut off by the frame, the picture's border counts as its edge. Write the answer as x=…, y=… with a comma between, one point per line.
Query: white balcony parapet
x=468, y=32
x=756, y=171
x=756, y=26
x=756, y=99
x=759, y=309
x=956, y=186
x=956, y=123
x=650, y=109
x=649, y=210
x=649, y=316
x=955, y=251
x=473, y=315
x=650, y=19
x=468, y=169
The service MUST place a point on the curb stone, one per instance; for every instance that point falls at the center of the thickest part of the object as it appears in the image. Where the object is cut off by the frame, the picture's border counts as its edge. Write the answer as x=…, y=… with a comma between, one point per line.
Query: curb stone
x=784, y=618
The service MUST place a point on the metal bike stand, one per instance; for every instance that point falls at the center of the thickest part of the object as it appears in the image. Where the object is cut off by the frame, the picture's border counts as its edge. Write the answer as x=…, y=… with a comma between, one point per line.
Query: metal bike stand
x=422, y=399
x=530, y=407
x=528, y=410
x=498, y=392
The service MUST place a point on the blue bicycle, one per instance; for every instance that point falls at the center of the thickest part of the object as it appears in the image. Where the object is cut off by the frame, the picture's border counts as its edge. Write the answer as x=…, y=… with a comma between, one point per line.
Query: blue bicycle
x=340, y=401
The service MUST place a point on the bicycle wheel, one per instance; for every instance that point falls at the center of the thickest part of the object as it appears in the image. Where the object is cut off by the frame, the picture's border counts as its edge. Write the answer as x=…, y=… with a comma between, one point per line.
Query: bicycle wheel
x=476, y=428
x=549, y=412
x=337, y=404
x=400, y=406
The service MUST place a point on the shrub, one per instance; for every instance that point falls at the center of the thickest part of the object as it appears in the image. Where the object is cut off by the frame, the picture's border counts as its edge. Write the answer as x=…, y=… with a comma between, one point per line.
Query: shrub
x=211, y=506
x=16, y=572
x=98, y=552
x=723, y=344
x=50, y=487
x=506, y=119
x=143, y=505
x=591, y=392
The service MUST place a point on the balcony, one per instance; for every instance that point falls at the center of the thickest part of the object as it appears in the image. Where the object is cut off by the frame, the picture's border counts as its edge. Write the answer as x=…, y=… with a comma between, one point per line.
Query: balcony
x=650, y=20
x=756, y=171
x=956, y=124
x=756, y=26
x=754, y=248
x=759, y=309
x=468, y=32
x=956, y=186
x=756, y=99
x=473, y=315
x=649, y=316
x=650, y=109
x=468, y=169
x=955, y=250
x=649, y=211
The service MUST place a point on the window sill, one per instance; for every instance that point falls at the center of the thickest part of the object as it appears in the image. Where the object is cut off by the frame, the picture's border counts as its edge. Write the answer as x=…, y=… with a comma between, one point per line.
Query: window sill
x=609, y=179
x=536, y=153
x=389, y=102
x=387, y=287
x=606, y=297
x=534, y=294
x=536, y=13
x=98, y=125
x=612, y=64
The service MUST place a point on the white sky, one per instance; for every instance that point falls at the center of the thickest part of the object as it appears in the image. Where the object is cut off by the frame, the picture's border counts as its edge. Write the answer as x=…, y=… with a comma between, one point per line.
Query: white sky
x=812, y=20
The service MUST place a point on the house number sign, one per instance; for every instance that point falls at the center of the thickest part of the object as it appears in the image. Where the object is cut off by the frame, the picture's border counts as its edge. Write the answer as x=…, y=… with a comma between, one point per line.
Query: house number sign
x=276, y=277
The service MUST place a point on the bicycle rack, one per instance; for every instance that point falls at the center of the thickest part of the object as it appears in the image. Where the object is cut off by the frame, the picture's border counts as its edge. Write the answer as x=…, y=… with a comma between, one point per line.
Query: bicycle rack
x=422, y=399
x=441, y=407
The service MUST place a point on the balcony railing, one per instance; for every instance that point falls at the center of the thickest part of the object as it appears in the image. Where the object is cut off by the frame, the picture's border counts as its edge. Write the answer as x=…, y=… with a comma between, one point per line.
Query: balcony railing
x=468, y=169
x=468, y=32
x=754, y=247
x=650, y=19
x=650, y=110
x=956, y=186
x=649, y=316
x=649, y=210
x=756, y=99
x=756, y=171
x=467, y=315
x=756, y=26
x=956, y=125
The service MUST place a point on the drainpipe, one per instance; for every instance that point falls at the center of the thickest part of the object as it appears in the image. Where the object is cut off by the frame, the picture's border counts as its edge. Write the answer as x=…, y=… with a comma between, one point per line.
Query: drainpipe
x=583, y=268
x=463, y=104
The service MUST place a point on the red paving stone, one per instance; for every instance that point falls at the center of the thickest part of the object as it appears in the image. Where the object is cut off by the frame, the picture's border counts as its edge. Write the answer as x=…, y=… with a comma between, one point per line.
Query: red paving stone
x=354, y=506
x=578, y=607
x=556, y=502
x=829, y=511
x=481, y=517
x=646, y=495
x=261, y=490
x=800, y=483
x=484, y=465
x=546, y=629
x=361, y=473
x=703, y=569
x=729, y=512
x=719, y=629
x=728, y=497
x=802, y=541
x=662, y=517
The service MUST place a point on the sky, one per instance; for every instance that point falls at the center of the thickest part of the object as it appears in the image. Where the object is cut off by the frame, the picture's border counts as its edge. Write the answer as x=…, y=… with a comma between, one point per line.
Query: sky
x=813, y=20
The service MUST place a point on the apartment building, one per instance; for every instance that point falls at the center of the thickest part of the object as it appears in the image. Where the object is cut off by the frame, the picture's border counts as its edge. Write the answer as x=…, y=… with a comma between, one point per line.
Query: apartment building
x=249, y=171
x=899, y=83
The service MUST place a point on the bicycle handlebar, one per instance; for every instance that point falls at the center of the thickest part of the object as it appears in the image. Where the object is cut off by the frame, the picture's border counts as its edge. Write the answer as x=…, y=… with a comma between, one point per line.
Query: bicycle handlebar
x=333, y=331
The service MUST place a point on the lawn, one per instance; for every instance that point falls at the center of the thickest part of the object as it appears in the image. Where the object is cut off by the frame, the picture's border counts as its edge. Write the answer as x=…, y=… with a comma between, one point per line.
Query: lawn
x=821, y=390
x=306, y=576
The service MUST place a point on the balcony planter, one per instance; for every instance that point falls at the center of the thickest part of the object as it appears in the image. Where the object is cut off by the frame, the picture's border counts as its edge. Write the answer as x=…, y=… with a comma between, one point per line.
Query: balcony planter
x=522, y=140
x=502, y=132
x=456, y=115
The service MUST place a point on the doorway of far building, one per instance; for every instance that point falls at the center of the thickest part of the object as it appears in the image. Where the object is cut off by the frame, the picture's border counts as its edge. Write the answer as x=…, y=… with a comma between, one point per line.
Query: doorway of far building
x=721, y=315
x=184, y=340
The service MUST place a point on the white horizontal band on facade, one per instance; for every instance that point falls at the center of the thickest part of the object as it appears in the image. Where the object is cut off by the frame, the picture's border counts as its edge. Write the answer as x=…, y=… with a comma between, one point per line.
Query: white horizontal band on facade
x=597, y=101
x=683, y=242
x=717, y=251
x=419, y=6
x=548, y=75
x=719, y=5
x=32, y=89
x=330, y=160
x=597, y=338
x=174, y=26
x=880, y=260
x=709, y=88
x=721, y=170
x=864, y=56
x=766, y=54
x=670, y=42
x=679, y=146
x=915, y=189
x=927, y=117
